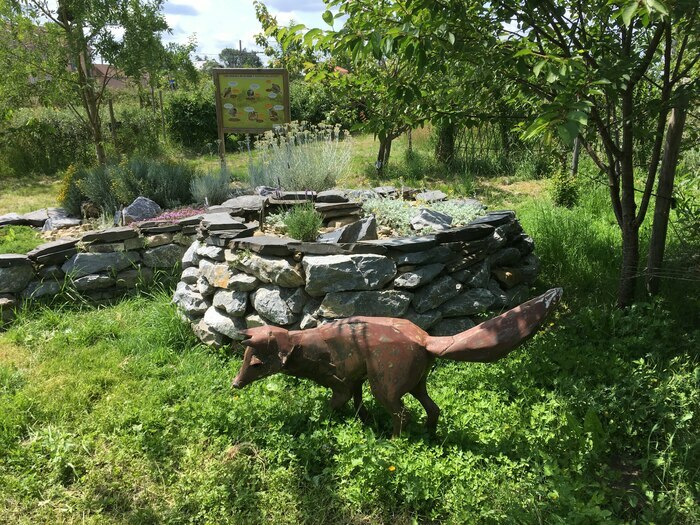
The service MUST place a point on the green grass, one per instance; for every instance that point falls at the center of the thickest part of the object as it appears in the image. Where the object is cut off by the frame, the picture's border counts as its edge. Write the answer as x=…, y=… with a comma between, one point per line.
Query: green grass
x=22, y=195
x=117, y=415
x=18, y=239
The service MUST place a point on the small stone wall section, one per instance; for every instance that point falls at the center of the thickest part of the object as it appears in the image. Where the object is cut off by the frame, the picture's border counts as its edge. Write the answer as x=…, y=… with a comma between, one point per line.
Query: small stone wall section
x=444, y=283
x=99, y=266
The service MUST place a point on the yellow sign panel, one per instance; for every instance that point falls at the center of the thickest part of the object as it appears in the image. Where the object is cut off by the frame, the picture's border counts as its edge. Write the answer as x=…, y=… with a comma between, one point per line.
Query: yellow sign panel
x=251, y=100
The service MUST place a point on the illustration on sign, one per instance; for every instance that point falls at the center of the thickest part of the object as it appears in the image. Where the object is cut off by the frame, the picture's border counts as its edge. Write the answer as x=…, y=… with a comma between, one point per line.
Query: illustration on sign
x=251, y=100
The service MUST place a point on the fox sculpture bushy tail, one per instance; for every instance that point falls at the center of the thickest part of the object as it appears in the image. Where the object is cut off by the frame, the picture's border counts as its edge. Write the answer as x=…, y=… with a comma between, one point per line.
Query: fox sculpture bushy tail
x=394, y=355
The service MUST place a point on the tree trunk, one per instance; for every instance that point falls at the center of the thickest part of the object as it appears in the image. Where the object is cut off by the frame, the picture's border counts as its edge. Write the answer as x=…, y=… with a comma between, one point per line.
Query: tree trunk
x=383, y=154
x=445, y=145
x=664, y=192
x=629, y=226
x=575, y=157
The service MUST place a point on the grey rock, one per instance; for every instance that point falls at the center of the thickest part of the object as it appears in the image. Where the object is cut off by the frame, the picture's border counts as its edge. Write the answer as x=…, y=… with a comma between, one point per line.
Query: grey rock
x=362, y=230
x=517, y=295
x=524, y=244
x=254, y=320
x=53, y=272
x=476, y=276
x=501, y=297
x=190, y=257
x=203, y=287
x=245, y=202
x=221, y=221
x=377, y=303
x=58, y=223
x=93, y=282
x=308, y=321
x=9, y=260
x=434, y=294
x=495, y=218
x=264, y=245
x=225, y=325
x=267, y=269
x=14, y=279
x=233, y=303
x=406, y=244
x=90, y=263
x=452, y=326
x=242, y=282
x=190, y=300
x=120, y=233
x=505, y=257
x=38, y=289
x=431, y=196
x=207, y=335
x=211, y=252
x=361, y=195
x=158, y=239
x=272, y=303
x=36, y=218
x=389, y=192
x=336, y=273
x=468, y=233
x=431, y=220
x=439, y=254
x=470, y=302
x=419, y=277
x=141, y=209
x=218, y=275
x=134, y=278
x=166, y=256
x=190, y=275
x=332, y=196
x=7, y=308
x=424, y=320
x=12, y=219
x=102, y=248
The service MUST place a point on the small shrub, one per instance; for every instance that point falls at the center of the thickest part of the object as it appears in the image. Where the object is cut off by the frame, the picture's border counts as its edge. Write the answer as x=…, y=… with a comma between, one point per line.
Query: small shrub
x=211, y=188
x=137, y=132
x=564, y=190
x=303, y=222
x=69, y=196
x=191, y=118
x=18, y=239
x=97, y=186
x=299, y=157
x=166, y=182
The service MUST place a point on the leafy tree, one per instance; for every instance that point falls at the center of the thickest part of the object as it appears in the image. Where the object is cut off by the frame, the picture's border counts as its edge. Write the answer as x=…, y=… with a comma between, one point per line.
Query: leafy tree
x=58, y=43
x=239, y=58
x=608, y=72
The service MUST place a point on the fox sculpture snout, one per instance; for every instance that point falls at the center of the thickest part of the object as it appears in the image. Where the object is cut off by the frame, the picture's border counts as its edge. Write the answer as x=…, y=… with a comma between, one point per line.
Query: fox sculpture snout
x=394, y=355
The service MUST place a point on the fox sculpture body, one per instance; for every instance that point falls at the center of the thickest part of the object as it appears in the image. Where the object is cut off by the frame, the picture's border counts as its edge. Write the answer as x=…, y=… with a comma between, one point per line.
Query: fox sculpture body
x=394, y=355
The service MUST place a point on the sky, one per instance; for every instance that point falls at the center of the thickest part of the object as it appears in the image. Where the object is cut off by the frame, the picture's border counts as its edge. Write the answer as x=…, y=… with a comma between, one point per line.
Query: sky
x=216, y=24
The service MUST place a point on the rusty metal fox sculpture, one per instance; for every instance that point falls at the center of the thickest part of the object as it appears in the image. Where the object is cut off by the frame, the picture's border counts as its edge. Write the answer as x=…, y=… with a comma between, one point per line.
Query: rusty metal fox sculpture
x=395, y=355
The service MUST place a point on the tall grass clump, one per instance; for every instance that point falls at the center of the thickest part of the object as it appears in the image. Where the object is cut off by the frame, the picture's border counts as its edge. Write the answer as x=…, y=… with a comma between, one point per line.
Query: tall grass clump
x=212, y=187
x=114, y=185
x=300, y=157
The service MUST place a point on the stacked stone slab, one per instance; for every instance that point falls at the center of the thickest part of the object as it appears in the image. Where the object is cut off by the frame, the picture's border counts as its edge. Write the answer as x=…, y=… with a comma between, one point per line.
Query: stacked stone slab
x=444, y=283
x=99, y=266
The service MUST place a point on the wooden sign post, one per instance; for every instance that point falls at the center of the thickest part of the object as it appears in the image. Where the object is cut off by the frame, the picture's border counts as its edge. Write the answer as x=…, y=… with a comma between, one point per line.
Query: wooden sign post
x=249, y=101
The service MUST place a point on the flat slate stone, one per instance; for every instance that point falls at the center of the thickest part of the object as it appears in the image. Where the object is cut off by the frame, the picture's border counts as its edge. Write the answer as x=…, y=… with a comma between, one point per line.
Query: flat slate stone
x=419, y=277
x=406, y=244
x=36, y=218
x=12, y=219
x=334, y=273
x=191, y=221
x=495, y=218
x=452, y=326
x=52, y=247
x=8, y=260
x=221, y=221
x=89, y=263
x=386, y=191
x=58, y=257
x=119, y=233
x=38, y=289
x=264, y=245
x=431, y=196
x=471, y=232
x=165, y=256
x=434, y=294
x=14, y=279
x=331, y=196
x=160, y=228
x=439, y=254
x=379, y=303
x=431, y=219
x=324, y=207
x=365, y=229
x=246, y=202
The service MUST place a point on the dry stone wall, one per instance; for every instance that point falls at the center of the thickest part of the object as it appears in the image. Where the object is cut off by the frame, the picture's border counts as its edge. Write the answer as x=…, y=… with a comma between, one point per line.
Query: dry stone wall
x=99, y=266
x=443, y=282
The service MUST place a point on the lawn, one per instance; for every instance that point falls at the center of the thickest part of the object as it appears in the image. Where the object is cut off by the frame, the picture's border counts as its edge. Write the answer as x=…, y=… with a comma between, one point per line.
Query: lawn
x=25, y=194
x=115, y=414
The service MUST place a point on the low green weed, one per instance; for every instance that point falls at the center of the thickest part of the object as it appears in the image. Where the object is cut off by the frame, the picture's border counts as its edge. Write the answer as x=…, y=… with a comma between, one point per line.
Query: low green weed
x=18, y=239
